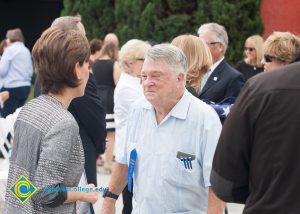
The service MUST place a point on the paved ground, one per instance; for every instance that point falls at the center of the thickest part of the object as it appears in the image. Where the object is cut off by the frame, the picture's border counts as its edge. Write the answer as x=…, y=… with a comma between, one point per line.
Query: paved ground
x=103, y=180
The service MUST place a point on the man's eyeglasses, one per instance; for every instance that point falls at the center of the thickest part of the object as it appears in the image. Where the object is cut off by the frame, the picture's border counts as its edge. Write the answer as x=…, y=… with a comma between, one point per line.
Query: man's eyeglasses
x=140, y=59
x=249, y=49
x=213, y=43
x=268, y=58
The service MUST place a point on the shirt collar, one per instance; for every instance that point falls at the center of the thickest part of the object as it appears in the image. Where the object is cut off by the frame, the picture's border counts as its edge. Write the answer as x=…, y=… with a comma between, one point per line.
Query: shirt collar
x=213, y=67
x=180, y=110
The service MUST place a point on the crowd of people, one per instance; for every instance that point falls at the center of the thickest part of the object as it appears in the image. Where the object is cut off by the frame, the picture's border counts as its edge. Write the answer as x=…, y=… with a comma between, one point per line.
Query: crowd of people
x=155, y=111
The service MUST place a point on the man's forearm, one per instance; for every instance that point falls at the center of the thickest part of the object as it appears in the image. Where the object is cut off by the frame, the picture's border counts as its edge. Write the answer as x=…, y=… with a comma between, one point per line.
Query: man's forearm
x=118, y=179
x=116, y=185
x=215, y=205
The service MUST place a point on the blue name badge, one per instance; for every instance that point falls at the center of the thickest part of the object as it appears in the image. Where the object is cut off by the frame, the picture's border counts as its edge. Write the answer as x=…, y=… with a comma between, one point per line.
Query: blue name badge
x=133, y=156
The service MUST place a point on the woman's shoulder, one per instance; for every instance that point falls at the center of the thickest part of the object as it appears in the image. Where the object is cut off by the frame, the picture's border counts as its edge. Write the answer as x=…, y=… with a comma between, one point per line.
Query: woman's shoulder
x=43, y=113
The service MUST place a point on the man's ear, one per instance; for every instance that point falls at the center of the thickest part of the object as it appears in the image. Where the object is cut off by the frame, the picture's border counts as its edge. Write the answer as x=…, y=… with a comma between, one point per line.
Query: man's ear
x=180, y=77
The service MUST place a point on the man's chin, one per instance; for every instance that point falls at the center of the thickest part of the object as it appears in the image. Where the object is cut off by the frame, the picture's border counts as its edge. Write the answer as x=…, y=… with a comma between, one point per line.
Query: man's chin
x=150, y=96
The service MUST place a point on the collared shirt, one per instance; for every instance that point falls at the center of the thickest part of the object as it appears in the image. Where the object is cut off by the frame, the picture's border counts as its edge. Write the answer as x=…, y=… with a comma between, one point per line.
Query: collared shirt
x=162, y=184
x=207, y=75
x=16, y=66
x=127, y=91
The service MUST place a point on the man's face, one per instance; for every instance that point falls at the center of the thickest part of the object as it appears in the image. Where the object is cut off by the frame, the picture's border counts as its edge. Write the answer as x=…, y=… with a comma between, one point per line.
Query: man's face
x=160, y=83
x=215, y=46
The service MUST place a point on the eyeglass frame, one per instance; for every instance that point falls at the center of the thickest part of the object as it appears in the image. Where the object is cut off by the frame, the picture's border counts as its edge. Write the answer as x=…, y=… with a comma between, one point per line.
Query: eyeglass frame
x=213, y=43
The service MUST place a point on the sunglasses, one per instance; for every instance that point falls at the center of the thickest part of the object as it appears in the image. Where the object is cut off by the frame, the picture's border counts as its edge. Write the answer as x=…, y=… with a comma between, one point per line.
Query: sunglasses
x=268, y=58
x=249, y=49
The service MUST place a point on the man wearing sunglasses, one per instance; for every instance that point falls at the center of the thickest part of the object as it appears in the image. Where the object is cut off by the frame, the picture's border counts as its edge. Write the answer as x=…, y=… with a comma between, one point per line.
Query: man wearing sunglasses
x=221, y=80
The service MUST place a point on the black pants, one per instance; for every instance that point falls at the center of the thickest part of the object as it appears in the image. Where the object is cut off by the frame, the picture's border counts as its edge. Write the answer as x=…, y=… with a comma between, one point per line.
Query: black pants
x=17, y=98
x=127, y=201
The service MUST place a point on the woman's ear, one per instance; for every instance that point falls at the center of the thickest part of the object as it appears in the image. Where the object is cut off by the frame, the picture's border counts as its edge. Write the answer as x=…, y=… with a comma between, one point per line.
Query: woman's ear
x=76, y=71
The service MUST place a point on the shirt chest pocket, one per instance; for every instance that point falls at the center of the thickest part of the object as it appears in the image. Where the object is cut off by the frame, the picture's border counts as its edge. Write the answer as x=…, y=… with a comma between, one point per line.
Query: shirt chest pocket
x=182, y=172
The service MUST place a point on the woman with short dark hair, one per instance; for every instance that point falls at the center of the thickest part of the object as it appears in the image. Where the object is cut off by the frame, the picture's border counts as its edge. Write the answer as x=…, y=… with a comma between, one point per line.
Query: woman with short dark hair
x=47, y=149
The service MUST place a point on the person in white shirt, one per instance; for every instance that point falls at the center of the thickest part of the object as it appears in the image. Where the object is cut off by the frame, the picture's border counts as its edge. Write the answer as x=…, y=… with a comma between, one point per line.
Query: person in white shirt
x=16, y=70
x=128, y=90
x=171, y=138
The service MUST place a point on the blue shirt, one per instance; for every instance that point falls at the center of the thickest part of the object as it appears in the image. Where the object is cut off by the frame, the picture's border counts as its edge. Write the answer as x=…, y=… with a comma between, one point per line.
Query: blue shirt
x=162, y=184
x=16, y=66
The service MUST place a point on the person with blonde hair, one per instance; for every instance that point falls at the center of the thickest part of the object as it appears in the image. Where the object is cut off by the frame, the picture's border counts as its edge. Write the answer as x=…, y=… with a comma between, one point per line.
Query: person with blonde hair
x=198, y=57
x=253, y=52
x=280, y=49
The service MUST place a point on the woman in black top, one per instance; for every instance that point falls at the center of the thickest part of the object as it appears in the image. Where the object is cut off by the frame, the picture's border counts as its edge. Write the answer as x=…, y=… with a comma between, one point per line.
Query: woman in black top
x=251, y=64
x=107, y=73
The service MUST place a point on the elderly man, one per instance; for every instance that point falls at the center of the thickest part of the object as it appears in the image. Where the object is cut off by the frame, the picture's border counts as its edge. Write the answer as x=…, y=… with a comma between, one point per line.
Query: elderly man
x=221, y=80
x=170, y=143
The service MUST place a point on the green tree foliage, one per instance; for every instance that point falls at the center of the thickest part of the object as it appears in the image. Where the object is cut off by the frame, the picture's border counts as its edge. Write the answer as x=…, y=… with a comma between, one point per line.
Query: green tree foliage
x=162, y=20
x=97, y=15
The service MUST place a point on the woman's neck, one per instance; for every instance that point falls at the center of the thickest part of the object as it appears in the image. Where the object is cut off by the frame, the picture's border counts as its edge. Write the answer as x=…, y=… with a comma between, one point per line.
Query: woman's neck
x=104, y=57
x=64, y=98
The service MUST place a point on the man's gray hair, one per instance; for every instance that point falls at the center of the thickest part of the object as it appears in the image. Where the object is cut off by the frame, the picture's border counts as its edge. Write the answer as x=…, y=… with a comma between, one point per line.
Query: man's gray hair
x=172, y=55
x=219, y=32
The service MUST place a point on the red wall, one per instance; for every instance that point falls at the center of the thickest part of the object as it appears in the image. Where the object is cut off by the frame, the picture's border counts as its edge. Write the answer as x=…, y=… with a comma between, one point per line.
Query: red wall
x=280, y=15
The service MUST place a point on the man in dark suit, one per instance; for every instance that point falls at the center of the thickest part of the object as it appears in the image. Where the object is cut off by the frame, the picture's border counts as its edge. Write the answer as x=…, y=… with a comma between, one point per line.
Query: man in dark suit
x=257, y=158
x=221, y=80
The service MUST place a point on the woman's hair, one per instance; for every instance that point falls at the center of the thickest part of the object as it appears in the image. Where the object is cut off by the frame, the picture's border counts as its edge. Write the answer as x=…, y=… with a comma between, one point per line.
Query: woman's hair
x=198, y=57
x=283, y=46
x=55, y=55
x=95, y=45
x=15, y=35
x=132, y=50
x=109, y=49
x=258, y=42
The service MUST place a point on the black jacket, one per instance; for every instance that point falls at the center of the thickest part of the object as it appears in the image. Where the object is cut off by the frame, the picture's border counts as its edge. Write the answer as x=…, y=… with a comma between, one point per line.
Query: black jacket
x=224, y=82
x=90, y=115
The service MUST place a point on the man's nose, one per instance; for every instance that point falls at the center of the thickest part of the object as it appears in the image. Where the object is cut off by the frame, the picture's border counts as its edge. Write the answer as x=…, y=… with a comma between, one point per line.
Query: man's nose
x=148, y=82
